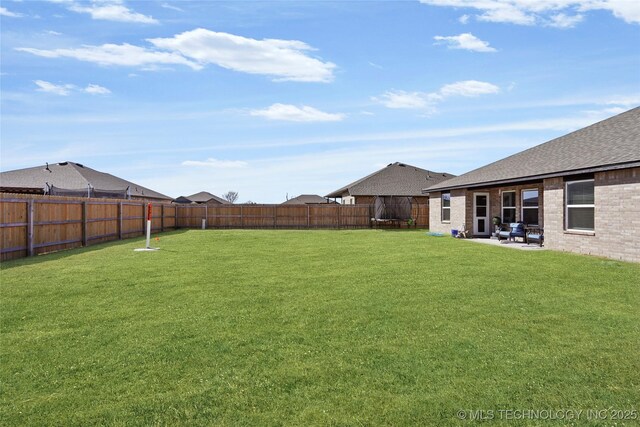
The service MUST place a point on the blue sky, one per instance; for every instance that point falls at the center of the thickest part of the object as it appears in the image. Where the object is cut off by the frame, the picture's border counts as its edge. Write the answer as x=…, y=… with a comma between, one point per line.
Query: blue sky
x=277, y=98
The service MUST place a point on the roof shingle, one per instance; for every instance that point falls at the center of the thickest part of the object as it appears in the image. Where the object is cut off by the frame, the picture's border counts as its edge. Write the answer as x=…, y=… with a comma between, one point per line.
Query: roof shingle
x=397, y=179
x=69, y=175
x=205, y=196
x=306, y=199
x=609, y=144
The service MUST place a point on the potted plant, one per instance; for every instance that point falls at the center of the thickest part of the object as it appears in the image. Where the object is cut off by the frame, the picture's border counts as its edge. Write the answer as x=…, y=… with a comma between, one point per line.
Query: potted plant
x=497, y=221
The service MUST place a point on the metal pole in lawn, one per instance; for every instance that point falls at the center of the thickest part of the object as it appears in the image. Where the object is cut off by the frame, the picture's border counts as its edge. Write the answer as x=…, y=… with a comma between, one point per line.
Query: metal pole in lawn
x=149, y=225
x=148, y=247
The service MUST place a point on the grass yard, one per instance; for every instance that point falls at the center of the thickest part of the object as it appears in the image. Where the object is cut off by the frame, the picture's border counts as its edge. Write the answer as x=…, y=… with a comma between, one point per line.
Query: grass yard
x=361, y=327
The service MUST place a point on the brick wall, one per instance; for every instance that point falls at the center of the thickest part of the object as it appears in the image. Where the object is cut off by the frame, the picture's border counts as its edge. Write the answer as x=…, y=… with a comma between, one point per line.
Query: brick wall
x=617, y=217
x=458, y=212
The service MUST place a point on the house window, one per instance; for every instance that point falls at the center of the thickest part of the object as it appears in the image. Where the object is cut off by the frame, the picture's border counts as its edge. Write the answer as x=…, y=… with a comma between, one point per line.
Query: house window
x=530, y=207
x=580, y=205
x=508, y=206
x=446, y=207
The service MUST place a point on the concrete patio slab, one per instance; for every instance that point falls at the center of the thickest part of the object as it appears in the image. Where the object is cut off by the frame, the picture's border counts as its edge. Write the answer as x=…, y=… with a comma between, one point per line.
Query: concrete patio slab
x=511, y=245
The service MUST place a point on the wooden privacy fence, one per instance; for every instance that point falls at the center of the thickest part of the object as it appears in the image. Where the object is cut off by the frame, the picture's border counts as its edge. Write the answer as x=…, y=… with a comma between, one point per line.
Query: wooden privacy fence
x=32, y=225
x=275, y=216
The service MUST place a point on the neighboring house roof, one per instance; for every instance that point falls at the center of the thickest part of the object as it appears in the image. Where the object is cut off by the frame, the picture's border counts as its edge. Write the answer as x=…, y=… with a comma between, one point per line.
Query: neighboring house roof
x=69, y=175
x=307, y=199
x=613, y=143
x=397, y=179
x=182, y=200
x=205, y=197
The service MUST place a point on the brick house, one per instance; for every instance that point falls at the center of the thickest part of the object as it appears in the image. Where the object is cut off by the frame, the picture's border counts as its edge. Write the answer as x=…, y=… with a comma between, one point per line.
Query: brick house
x=582, y=188
x=397, y=184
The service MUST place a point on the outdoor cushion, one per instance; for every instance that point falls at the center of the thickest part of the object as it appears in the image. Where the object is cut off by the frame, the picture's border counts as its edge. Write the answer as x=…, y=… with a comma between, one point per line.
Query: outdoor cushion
x=535, y=235
x=515, y=229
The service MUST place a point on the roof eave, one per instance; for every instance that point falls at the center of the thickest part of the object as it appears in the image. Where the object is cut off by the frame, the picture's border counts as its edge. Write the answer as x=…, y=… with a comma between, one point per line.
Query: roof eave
x=594, y=169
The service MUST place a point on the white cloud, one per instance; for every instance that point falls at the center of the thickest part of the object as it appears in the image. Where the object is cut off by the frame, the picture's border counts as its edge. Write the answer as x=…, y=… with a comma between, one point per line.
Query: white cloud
x=401, y=99
x=424, y=100
x=66, y=89
x=545, y=12
x=96, y=90
x=168, y=6
x=293, y=113
x=505, y=12
x=114, y=54
x=53, y=33
x=564, y=21
x=62, y=90
x=465, y=41
x=282, y=59
x=216, y=164
x=464, y=19
x=626, y=101
x=468, y=88
x=9, y=14
x=627, y=10
x=107, y=10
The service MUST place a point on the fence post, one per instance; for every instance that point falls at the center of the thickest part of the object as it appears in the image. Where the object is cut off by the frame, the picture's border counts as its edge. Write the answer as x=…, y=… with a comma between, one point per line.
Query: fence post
x=84, y=224
x=119, y=220
x=371, y=216
x=275, y=217
x=339, y=217
x=162, y=217
x=30, y=215
x=206, y=216
x=241, y=218
x=308, y=216
x=175, y=221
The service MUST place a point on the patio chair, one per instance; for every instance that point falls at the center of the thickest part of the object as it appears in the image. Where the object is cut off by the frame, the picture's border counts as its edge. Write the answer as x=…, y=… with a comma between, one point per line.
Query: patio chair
x=535, y=235
x=513, y=230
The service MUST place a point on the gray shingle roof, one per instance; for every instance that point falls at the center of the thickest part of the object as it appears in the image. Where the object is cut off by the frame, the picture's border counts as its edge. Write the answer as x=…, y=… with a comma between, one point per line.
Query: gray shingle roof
x=306, y=199
x=69, y=175
x=610, y=144
x=397, y=179
x=205, y=196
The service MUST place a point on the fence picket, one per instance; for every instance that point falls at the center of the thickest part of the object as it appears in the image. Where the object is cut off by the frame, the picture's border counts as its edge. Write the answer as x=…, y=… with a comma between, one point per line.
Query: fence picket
x=57, y=223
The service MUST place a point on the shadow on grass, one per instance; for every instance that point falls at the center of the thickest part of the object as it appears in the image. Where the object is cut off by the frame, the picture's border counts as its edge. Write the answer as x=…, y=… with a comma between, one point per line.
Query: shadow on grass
x=52, y=256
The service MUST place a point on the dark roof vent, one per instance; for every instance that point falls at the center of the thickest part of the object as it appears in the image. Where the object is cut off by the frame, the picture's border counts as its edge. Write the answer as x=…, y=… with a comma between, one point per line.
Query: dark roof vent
x=402, y=165
x=81, y=165
x=63, y=164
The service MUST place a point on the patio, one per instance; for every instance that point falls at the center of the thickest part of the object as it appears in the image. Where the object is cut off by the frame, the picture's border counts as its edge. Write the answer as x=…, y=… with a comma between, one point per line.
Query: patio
x=512, y=245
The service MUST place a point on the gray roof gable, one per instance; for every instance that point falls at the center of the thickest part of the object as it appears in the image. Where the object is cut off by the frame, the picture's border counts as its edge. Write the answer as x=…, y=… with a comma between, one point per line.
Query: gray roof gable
x=305, y=199
x=205, y=196
x=397, y=179
x=609, y=144
x=70, y=175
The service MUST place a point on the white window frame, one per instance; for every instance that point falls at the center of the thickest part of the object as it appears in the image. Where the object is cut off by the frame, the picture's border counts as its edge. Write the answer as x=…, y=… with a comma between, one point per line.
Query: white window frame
x=566, y=206
x=514, y=207
x=522, y=206
x=442, y=207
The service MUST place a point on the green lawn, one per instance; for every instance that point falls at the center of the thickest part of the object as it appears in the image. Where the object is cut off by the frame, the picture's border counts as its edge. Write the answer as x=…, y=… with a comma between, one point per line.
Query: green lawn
x=362, y=327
